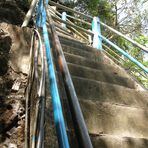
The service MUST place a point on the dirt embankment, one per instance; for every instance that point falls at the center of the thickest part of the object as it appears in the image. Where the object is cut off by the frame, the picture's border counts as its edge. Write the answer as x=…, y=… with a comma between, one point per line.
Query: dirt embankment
x=14, y=53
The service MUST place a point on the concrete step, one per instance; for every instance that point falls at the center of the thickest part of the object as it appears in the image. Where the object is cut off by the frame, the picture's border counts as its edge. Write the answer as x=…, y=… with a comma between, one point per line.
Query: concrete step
x=80, y=54
x=117, y=120
x=76, y=44
x=94, y=55
x=79, y=60
x=116, y=115
x=111, y=141
x=94, y=90
x=98, y=75
x=91, y=54
x=108, y=141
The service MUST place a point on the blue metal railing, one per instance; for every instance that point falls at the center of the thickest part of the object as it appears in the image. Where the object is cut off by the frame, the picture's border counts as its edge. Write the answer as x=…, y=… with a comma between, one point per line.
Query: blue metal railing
x=80, y=127
x=57, y=108
x=89, y=18
x=96, y=29
x=145, y=69
x=97, y=43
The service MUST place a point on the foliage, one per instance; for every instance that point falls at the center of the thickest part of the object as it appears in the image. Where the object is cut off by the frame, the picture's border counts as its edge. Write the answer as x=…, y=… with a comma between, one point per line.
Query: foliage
x=99, y=8
x=140, y=56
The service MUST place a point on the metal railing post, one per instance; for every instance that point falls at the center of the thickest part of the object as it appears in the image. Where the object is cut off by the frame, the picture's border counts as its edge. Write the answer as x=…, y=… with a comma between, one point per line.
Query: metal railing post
x=96, y=29
x=90, y=38
x=64, y=19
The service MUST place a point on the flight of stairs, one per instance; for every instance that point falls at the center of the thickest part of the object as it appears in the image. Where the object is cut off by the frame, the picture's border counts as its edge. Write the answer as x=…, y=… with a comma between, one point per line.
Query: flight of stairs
x=113, y=104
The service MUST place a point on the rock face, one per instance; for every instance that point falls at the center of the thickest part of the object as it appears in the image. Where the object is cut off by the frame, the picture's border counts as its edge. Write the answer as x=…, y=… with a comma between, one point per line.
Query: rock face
x=13, y=39
x=17, y=42
x=14, y=61
x=11, y=13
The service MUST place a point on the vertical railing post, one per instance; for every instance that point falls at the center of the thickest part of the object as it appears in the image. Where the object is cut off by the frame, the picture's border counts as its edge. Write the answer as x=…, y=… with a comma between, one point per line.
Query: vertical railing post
x=96, y=29
x=90, y=38
x=64, y=19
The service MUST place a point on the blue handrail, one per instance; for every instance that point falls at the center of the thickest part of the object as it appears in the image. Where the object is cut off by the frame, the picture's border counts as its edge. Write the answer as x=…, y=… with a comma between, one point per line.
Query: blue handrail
x=145, y=69
x=57, y=108
x=58, y=115
x=96, y=29
x=88, y=17
x=97, y=42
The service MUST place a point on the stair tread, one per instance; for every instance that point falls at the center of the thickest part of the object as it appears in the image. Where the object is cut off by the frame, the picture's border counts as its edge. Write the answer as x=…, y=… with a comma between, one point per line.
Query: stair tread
x=102, y=91
x=79, y=60
x=76, y=43
x=114, y=119
x=98, y=75
x=90, y=51
x=94, y=55
x=109, y=141
x=69, y=38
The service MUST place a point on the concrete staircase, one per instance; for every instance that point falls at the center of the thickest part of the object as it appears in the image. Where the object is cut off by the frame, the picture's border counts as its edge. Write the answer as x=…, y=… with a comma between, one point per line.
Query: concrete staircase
x=113, y=104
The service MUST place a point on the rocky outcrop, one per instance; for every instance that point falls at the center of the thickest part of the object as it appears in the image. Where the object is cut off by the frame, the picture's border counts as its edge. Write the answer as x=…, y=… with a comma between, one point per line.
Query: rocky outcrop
x=14, y=62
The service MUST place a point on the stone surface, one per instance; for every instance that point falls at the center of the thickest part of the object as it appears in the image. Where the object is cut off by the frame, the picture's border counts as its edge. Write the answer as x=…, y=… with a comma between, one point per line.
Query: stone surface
x=18, y=42
x=79, y=60
x=94, y=90
x=14, y=62
x=115, y=114
x=98, y=75
x=117, y=120
x=108, y=141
